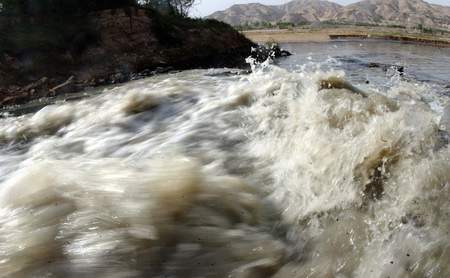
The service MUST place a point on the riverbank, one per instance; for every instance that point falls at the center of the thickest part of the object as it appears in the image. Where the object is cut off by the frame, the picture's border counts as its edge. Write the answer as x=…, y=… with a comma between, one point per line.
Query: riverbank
x=331, y=33
x=115, y=46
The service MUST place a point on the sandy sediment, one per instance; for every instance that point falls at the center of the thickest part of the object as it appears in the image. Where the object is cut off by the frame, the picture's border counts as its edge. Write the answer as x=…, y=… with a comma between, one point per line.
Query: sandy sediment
x=327, y=34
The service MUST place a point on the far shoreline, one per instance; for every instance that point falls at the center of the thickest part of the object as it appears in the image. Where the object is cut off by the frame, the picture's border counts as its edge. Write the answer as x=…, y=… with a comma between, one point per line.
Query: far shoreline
x=304, y=35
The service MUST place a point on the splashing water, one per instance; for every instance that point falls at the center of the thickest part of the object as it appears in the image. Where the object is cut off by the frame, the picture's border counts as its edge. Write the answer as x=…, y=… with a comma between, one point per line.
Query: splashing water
x=202, y=174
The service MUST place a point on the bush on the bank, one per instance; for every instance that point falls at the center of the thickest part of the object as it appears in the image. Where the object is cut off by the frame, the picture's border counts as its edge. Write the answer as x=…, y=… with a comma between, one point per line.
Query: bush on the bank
x=77, y=7
x=58, y=7
x=28, y=26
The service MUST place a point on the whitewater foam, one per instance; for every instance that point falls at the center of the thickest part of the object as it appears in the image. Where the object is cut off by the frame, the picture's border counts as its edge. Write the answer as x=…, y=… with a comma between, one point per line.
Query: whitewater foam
x=200, y=175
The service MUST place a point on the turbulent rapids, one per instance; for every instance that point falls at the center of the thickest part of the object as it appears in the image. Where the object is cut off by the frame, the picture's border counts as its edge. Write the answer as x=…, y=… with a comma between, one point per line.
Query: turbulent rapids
x=205, y=174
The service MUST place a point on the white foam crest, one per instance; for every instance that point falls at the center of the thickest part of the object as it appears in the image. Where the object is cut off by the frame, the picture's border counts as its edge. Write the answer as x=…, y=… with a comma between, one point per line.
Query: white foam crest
x=333, y=153
x=47, y=121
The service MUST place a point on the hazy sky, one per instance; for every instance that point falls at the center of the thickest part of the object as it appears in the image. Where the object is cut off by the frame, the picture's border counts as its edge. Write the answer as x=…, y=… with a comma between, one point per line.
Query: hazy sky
x=206, y=7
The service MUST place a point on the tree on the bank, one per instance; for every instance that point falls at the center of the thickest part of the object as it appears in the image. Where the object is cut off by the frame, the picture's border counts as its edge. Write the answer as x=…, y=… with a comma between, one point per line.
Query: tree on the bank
x=178, y=7
x=182, y=7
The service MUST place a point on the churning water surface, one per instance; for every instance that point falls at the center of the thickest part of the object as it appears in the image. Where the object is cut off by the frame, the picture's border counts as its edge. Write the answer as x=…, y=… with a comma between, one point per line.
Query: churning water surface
x=206, y=173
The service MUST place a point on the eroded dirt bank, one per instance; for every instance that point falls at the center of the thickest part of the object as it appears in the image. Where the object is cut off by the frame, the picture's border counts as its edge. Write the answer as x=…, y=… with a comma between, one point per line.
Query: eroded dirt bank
x=116, y=46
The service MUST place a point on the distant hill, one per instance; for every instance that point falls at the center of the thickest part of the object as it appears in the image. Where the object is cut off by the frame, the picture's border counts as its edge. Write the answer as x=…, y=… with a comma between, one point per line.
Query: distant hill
x=308, y=10
x=405, y=12
x=251, y=13
x=401, y=12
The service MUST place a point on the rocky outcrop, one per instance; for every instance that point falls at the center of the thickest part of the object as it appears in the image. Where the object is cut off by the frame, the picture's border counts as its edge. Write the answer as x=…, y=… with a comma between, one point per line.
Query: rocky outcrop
x=121, y=45
x=261, y=53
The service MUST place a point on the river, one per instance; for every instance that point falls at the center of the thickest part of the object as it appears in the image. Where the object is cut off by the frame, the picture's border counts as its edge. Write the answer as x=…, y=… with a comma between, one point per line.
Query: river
x=218, y=173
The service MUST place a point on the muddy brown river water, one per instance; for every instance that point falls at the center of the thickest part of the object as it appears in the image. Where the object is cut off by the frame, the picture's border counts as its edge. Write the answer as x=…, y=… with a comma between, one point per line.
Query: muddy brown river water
x=204, y=173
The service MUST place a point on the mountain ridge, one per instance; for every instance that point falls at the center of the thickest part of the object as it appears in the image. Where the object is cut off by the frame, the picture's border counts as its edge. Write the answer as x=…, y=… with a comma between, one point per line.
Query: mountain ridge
x=401, y=12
